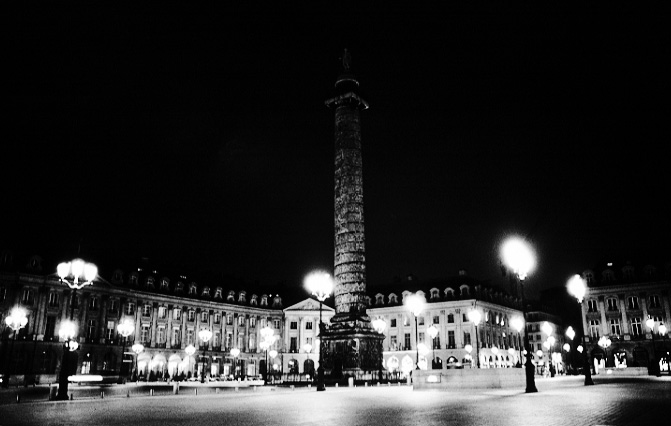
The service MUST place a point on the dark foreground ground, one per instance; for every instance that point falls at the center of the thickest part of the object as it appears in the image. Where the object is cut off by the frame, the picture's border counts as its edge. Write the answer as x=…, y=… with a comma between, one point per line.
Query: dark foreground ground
x=560, y=401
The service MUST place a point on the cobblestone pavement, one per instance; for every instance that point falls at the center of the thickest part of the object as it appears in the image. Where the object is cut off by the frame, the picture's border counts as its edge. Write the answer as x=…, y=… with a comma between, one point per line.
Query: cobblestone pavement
x=560, y=401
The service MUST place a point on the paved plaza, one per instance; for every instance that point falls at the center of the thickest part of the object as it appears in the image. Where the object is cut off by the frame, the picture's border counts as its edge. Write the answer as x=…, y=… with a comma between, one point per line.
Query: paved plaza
x=560, y=401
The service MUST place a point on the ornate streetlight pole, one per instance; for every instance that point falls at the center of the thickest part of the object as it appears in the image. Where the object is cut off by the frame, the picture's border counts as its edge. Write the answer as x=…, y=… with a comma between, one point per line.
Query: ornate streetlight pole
x=433, y=332
x=125, y=328
x=320, y=285
x=577, y=288
x=518, y=323
x=268, y=337
x=235, y=352
x=519, y=258
x=272, y=354
x=475, y=317
x=415, y=304
x=662, y=332
x=137, y=348
x=16, y=321
x=205, y=335
x=570, y=333
x=76, y=274
x=651, y=325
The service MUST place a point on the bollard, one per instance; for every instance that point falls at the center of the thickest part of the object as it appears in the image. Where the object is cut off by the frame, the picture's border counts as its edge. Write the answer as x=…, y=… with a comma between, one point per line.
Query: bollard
x=102, y=395
x=196, y=391
x=127, y=393
x=378, y=384
x=151, y=392
x=336, y=385
x=18, y=398
x=365, y=385
x=72, y=396
x=216, y=390
x=255, y=388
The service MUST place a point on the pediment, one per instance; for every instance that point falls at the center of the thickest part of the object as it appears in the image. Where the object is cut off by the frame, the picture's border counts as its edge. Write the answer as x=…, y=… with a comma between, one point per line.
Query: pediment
x=309, y=305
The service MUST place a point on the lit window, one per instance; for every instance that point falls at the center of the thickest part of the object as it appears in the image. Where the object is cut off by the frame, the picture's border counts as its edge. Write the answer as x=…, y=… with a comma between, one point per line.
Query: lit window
x=636, y=329
x=632, y=303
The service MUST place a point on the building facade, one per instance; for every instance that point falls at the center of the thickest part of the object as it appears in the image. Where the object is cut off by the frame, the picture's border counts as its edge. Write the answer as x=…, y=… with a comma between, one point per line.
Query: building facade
x=616, y=309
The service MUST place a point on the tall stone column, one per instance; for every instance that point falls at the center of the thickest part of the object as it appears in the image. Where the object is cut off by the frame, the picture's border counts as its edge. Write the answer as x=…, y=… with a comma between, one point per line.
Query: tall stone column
x=351, y=345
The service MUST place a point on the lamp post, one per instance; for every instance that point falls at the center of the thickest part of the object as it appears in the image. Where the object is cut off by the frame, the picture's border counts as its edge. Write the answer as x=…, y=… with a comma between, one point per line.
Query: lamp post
x=517, y=323
x=235, y=352
x=267, y=339
x=475, y=317
x=518, y=256
x=605, y=342
x=415, y=304
x=125, y=328
x=137, y=348
x=190, y=350
x=379, y=325
x=433, y=332
x=468, y=349
x=320, y=285
x=272, y=354
x=570, y=333
x=16, y=320
x=662, y=332
x=76, y=274
x=577, y=288
x=651, y=325
x=205, y=335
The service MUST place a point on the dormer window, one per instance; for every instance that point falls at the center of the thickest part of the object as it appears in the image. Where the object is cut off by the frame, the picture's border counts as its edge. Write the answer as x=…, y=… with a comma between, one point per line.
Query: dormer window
x=449, y=293
x=193, y=289
x=632, y=303
x=255, y=300
x=218, y=293
x=608, y=276
x=264, y=300
x=133, y=278
x=379, y=299
x=242, y=297
x=649, y=271
x=277, y=302
x=465, y=292
x=231, y=296
x=589, y=277
x=628, y=272
x=435, y=294
x=393, y=298
x=179, y=288
x=165, y=283
x=35, y=264
x=117, y=278
x=206, y=291
x=150, y=282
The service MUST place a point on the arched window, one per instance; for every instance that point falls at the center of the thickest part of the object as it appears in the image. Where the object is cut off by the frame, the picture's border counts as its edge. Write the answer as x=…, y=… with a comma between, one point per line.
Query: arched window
x=379, y=299
x=465, y=292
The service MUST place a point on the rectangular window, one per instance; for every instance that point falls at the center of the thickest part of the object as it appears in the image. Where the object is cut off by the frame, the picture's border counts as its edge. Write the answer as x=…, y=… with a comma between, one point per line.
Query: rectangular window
x=190, y=337
x=467, y=338
x=160, y=335
x=252, y=321
x=464, y=318
x=162, y=312
x=420, y=320
x=654, y=301
x=615, y=327
x=229, y=319
x=406, y=341
x=146, y=310
x=450, y=318
x=27, y=298
x=293, y=344
x=436, y=319
x=393, y=323
x=93, y=303
x=217, y=318
x=53, y=299
x=113, y=305
x=204, y=316
x=636, y=329
x=241, y=320
x=91, y=329
x=177, y=314
x=109, y=331
x=393, y=343
x=594, y=329
x=216, y=340
x=450, y=339
x=50, y=329
x=144, y=336
x=293, y=325
x=592, y=306
x=191, y=315
x=308, y=325
x=406, y=320
x=176, y=337
x=436, y=342
x=421, y=338
x=632, y=303
x=130, y=308
x=229, y=340
x=276, y=324
x=612, y=304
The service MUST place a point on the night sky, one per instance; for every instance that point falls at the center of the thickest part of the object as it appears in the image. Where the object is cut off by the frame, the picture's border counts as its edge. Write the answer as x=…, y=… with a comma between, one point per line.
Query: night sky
x=199, y=138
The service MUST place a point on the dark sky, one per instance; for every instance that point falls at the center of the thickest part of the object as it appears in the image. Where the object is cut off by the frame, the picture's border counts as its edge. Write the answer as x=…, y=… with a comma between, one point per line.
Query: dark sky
x=199, y=138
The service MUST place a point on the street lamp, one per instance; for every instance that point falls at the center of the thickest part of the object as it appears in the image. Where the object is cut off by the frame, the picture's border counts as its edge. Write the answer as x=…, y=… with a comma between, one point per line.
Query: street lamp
x=570, y=333
x=272, y=354
x=415, y=304
x=518, y=256
x=76, y=274
x=16, y=320
x=433, y=332
x=577, y=288
x=651, y=325
x=468, y=349
x=205, y=335
x=137, y=348
x=267, y=339
x=235, y=352
x=379, y=325
x=518, y=323
x=662, y=332
x=475, y=317
x=604, y=342
x=125, y=328
x=320, y=285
